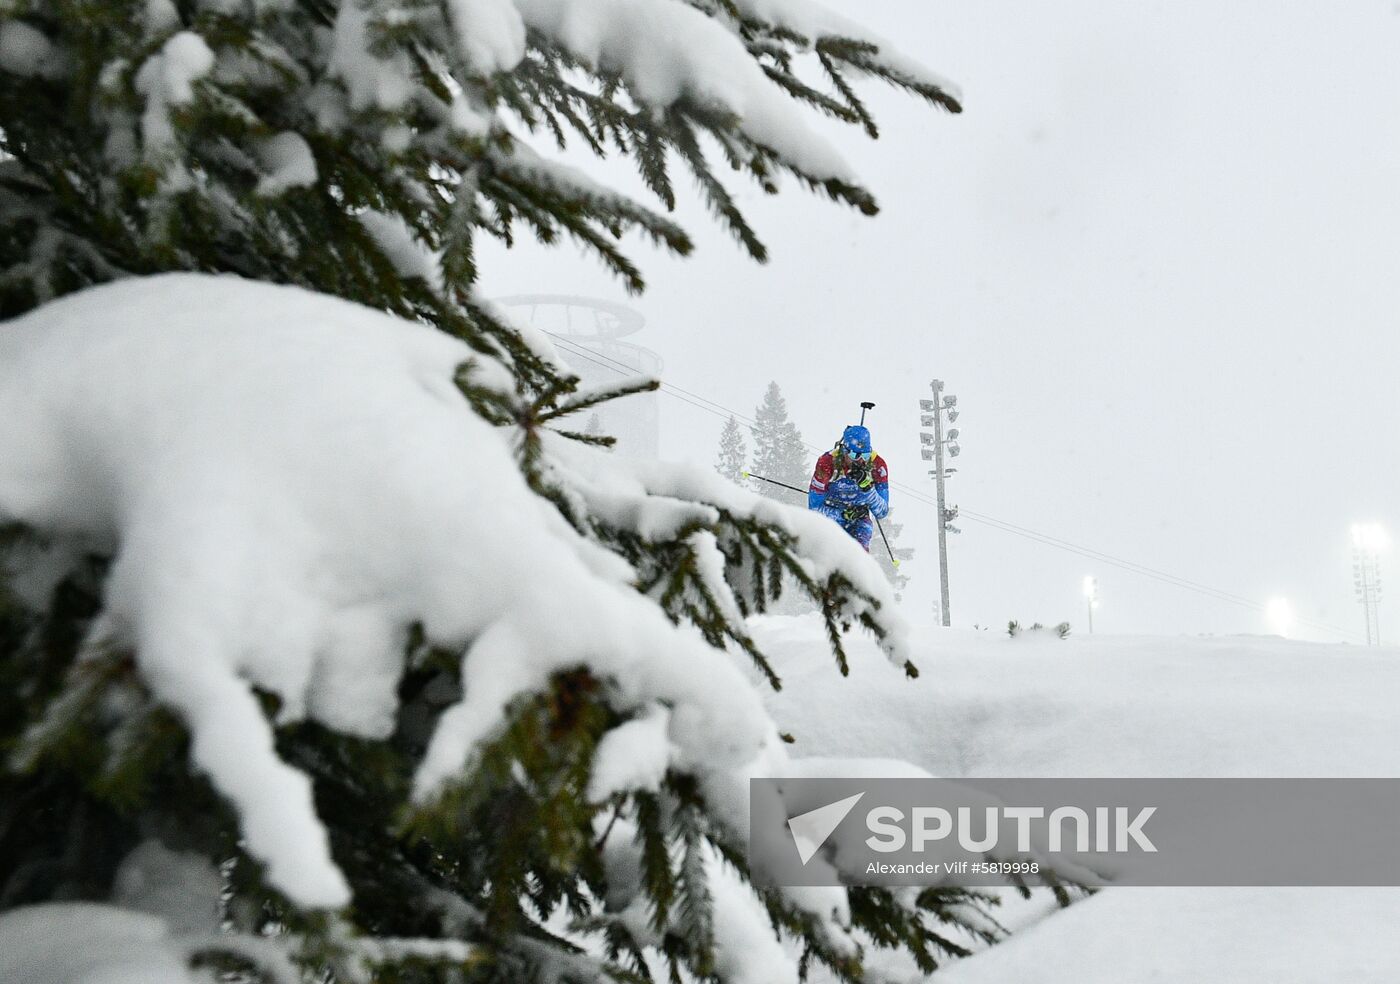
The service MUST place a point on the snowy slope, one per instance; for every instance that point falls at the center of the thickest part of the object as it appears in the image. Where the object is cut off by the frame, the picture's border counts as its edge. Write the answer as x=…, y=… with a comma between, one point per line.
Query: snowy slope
x=988, y=705
x=1123, y=706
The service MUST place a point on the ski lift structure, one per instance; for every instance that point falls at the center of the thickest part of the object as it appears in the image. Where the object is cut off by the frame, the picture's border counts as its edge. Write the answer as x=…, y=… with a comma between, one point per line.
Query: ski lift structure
x=591, y=334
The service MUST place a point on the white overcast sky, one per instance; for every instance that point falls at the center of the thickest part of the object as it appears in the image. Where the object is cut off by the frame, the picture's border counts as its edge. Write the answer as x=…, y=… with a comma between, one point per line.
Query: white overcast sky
x=1156, y=259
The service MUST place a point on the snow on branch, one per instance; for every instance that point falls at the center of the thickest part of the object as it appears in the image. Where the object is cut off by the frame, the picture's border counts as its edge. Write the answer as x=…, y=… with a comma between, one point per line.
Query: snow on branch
x=666, y=51
x=819, y=27
x=400, y=245
x=166, y=80
x=549, y=196
x=25, y=50
x=290, y=482
x=752, y=540
x=592, y=397
x=221, y=136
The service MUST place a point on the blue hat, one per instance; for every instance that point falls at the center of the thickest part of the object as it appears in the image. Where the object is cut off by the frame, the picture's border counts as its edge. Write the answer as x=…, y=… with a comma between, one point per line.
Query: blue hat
x=856, y=439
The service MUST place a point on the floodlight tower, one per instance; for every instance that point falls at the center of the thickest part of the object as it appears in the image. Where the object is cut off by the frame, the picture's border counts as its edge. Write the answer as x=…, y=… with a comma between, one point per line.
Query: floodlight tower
x=1367, y=542
x=933, y=449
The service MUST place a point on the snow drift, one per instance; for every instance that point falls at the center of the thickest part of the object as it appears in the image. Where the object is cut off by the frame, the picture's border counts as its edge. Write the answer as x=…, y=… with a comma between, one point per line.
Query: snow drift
x=987, y=705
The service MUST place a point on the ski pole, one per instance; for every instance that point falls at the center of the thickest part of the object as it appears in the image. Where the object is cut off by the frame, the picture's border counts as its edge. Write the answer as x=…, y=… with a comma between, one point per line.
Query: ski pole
x=770, y=481
x=864, y=406
x=893, y=559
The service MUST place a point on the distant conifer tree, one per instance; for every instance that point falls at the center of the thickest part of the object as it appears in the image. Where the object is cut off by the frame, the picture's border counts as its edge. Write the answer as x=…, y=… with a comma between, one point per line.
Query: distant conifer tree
x=732, y=452
x=778, y=450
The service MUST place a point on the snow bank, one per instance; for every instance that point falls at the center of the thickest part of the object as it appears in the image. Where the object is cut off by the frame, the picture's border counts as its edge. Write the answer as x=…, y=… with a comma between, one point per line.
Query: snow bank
x=1215, y=936
x=90, y=943
x=289, y=481
x=82, y=943
x=182, y=889
x=986, y=705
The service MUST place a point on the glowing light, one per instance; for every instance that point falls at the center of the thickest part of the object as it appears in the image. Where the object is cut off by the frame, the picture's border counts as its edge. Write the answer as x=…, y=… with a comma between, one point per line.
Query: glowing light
x=1369, y=536
x=1278, y=616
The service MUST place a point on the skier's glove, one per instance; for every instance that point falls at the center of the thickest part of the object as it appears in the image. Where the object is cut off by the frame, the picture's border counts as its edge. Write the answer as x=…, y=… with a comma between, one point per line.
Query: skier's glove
x=843, y=492
x=875, y=502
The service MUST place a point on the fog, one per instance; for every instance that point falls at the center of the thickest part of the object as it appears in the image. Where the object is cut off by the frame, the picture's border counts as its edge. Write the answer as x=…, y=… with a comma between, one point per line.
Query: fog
x=1156, y=261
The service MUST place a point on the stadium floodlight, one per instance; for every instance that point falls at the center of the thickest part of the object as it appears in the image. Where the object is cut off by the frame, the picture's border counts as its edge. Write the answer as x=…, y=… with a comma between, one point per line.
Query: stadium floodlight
x=932, y=414
x=1368, y=542
x=1278, y=616
x=1371, y=537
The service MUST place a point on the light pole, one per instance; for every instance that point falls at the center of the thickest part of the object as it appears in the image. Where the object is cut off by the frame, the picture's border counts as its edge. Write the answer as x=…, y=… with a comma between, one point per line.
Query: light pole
x=1367, y=542
x=933, y=446
x=1091, y=598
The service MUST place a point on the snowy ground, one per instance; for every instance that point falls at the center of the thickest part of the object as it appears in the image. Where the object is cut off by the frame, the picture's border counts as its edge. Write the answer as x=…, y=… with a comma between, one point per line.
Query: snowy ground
x=988, y=705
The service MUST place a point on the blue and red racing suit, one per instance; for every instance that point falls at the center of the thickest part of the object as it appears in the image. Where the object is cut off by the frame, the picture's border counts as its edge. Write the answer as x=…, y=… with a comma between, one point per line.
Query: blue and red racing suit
x=850, y=488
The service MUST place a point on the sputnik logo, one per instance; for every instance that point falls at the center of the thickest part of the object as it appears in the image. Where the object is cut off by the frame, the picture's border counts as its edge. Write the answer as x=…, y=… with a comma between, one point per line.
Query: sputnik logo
x=811, y=829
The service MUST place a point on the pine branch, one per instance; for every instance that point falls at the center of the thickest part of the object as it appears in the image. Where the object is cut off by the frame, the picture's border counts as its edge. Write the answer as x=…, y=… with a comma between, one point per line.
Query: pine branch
x=864, y=56
x=854, y=107
x=798, y=89
x=601, y=394
x=723, y=206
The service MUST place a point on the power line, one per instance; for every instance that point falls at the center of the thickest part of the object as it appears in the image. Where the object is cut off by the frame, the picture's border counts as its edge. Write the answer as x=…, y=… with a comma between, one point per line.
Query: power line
x=694, y=399
x=588, y=356
x=1035, y=536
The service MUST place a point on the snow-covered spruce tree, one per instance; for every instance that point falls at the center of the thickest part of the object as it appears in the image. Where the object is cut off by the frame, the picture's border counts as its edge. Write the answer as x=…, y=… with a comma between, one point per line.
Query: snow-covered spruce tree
x=320, y=616
x=778, y=451
x=729, y=462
